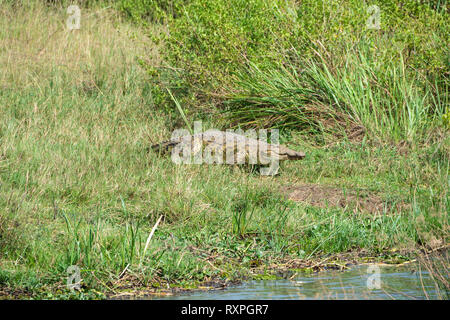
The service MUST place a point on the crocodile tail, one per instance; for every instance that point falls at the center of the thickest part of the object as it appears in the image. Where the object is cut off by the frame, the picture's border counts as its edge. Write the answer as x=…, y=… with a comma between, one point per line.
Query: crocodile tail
x=163, y=146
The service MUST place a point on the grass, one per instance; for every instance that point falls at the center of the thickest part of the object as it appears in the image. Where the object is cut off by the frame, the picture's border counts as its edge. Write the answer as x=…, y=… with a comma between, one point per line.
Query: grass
x=78, y=110
x=323, y=96
x=437, y=267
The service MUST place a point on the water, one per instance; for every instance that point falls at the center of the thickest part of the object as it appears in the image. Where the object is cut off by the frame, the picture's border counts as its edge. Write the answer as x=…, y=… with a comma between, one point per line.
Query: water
x=361, y=282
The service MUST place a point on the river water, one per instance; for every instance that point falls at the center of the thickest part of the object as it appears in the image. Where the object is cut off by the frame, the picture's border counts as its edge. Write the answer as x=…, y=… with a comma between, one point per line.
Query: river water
x=359, y=282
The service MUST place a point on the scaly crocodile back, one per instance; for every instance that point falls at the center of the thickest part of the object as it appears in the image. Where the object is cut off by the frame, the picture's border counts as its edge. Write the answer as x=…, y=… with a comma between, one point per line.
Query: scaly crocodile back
x=229, y=142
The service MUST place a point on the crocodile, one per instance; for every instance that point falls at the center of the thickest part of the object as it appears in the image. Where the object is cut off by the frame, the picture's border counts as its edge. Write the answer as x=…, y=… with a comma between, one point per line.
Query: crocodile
x=235, y=148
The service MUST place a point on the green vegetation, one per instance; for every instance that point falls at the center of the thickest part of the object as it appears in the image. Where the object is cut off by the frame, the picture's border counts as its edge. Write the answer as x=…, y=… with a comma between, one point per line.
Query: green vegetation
x=79, y=109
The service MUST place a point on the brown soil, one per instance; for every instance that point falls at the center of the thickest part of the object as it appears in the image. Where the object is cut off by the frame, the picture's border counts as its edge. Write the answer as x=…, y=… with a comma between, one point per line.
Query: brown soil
x=328, y=196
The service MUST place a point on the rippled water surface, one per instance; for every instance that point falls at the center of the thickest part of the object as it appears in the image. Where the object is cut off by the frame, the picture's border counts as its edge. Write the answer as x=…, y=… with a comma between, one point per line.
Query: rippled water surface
x=361, y=282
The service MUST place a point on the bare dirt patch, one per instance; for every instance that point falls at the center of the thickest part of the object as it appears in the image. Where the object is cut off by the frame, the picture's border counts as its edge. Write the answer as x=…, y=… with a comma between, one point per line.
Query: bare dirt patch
x=328, y=196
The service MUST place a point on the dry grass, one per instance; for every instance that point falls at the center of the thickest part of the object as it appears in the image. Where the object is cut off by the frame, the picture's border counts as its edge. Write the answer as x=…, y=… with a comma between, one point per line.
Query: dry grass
x=327, y=196
x=437, y=266
x=36, y=43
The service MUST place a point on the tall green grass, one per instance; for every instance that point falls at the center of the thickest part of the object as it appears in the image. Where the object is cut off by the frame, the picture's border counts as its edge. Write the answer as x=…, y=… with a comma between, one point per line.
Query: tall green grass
x=329, y=93
x=313, y=66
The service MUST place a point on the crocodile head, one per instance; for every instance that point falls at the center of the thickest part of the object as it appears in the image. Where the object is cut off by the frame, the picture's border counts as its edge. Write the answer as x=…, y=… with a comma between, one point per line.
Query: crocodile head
x=289, y=154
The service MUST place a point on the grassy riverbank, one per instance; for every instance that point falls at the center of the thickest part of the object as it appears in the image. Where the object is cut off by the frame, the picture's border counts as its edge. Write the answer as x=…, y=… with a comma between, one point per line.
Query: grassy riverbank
x=79, y=108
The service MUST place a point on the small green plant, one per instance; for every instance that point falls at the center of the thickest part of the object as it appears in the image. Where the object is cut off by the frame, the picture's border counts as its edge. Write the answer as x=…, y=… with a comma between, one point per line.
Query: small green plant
x=180, y=110
x=145, y=11
x=446, y=118
x=241, y=220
